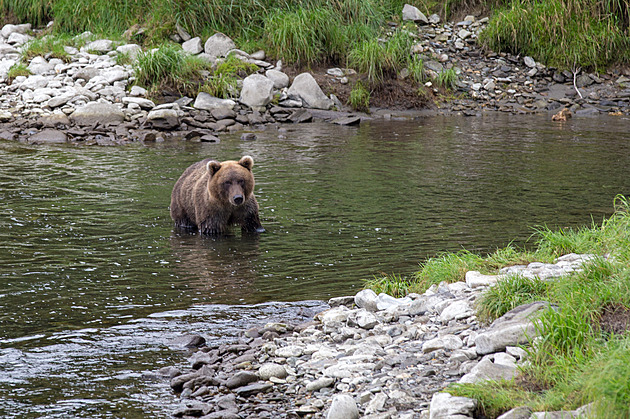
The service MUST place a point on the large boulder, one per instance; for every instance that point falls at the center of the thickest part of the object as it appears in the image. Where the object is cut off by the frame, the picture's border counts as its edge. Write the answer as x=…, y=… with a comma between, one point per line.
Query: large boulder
x=306, y=89
x=218, y=45
x=412, y=13
x=163, y=119
x=48, y=136
x=280, y=79
x=257, y=91
x=93, y=113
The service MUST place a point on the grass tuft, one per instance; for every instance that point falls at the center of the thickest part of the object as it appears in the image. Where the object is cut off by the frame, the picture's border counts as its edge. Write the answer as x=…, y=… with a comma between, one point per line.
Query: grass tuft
x=360, y=97
x=17, y=70
x=395, y=285
x=168, y=65
x=510, y=292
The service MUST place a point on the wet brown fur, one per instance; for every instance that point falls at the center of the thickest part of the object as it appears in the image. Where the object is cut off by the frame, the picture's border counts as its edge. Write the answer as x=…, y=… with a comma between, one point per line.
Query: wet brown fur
x=206, y=197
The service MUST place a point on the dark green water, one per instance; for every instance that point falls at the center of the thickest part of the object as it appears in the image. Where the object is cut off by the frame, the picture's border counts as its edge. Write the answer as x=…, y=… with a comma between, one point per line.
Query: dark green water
x=94, y=282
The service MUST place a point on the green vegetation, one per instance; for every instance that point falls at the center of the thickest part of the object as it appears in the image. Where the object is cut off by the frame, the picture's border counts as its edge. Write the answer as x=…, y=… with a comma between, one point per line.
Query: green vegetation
x=565, y=34
x=49, y=46
x=16, y=70
x=394, y=285
x=360, y=97
x=168, y=65
x=569, y=34
x=223, y=80
x=447, y=79
x=580, y=357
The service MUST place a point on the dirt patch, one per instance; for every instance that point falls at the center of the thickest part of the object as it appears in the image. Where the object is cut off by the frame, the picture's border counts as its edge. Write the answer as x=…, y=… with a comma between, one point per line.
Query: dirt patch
x=615, y=319
x=395, y=94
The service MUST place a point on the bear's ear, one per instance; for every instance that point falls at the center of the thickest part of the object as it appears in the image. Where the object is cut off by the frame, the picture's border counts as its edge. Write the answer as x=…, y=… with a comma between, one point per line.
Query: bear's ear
x=247, y=162
x=213, y=166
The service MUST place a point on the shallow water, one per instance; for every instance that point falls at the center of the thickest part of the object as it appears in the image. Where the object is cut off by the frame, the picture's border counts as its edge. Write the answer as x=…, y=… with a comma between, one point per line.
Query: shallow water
x=94, y=282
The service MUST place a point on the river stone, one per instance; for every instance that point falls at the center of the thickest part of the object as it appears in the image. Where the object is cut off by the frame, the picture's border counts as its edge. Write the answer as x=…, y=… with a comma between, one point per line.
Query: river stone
x=240, y=379
x=48, y=136
x=306, y=89
x=94, y=113
x=513, y=328
x=18, y=38
x=268, y=370
x=218, y=45
x=449, y=342
x=412, y=13
x=475, y=279
x=255, y=388
x=163, y=119
x=142, y=102
x=443, y=405
x=39, y=65
x=257, y=91
x=100, y=46
x=320, y=383
x=522, y=412
x=488, y=370
x=132, y=50
x=366, y=299
x=8, y=29
x=193, y=46
x=208, y=102
x=456, y=311
x=343, y=406
x=280, y=79
x=5, y=116
x=86, y=73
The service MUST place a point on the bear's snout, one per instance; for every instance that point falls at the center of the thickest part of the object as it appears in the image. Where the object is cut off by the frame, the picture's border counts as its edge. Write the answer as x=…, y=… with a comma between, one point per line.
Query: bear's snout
x=238, y=199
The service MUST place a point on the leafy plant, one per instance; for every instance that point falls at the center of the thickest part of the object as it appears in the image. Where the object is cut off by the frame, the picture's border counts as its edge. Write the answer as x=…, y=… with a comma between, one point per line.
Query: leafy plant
x=223, y=81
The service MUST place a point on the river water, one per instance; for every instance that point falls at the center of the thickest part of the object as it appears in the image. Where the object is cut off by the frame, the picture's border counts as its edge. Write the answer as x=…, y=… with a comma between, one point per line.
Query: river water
x=95, y=284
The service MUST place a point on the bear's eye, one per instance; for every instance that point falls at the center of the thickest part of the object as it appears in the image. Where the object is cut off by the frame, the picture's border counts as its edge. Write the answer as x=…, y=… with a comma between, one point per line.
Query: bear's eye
x=241, y=182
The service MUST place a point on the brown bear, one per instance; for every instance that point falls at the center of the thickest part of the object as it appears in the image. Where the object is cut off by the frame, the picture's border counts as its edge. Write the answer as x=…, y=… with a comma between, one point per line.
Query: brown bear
x=210, y=196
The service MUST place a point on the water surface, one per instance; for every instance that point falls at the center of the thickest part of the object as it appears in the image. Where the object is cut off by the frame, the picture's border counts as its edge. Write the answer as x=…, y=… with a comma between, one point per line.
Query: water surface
x=91, y=269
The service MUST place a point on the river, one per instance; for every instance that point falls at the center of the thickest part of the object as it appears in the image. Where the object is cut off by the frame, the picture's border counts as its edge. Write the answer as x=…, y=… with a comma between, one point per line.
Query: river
x=95, y=283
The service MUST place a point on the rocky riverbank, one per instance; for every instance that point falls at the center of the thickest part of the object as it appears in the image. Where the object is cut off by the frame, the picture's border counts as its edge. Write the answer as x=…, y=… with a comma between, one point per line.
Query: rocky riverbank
x=371, y=356
x=92, y=99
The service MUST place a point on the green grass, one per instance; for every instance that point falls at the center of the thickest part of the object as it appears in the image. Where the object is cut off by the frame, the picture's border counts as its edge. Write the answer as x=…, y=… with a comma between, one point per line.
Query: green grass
x=169, y=66
x=416, y=69
x=16, y=70
x=447, y=79
x=49, y=46
x=576, y=360
x=223, y=80
x=560, y=33
x=359, y=97
x=510, y=292
x=394, y=285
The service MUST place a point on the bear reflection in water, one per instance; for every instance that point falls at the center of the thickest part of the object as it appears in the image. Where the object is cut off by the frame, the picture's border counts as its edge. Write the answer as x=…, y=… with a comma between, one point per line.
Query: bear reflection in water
x=221, y=268
x=210, y=196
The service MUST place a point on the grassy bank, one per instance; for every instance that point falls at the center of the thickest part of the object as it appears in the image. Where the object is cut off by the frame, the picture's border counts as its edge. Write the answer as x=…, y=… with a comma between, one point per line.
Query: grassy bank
x=583, y=352
x=563, y=33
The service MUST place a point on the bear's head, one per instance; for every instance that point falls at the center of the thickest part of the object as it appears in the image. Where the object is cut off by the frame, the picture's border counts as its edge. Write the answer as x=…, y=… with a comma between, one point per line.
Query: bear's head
x=231, y=181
